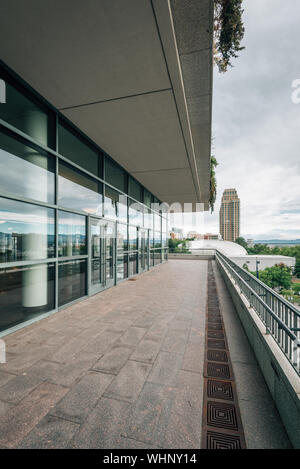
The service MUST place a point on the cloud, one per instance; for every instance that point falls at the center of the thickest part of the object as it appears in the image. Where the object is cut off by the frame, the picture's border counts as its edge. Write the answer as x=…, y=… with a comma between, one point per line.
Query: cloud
x=256, y=137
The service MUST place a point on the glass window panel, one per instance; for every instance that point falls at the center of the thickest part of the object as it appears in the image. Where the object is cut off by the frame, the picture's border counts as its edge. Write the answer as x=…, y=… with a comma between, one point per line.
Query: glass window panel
x=157, y=256
x=133, y=261
x=26, y=231
x=134, y=189
x=157, y=222
x=157, y=239
x=78, y=191
x=122, y=237
x=147, y=198
x=135, y=213
x=71, y=234
x=24, y=170
x=115, y=175
x=148, y=219
x=23, y=113
x=72, y=147
x=122, y=267
x=151, y=239
x=71, y=281
x=111, y=200
x=132, y=238
x=25, y=292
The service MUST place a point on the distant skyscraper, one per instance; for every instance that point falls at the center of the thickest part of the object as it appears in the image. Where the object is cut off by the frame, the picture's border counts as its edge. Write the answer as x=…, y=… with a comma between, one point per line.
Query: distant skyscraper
x=230, y=215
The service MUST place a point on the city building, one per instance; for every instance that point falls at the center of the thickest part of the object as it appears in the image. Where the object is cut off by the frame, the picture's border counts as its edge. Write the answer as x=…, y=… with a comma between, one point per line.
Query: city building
x=176, y=233
x=212, y=236
x=229, y=216
x=95, y=132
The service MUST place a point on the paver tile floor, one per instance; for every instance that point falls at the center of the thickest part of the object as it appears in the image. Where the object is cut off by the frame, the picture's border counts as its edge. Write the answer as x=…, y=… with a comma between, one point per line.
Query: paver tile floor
x=122, y=369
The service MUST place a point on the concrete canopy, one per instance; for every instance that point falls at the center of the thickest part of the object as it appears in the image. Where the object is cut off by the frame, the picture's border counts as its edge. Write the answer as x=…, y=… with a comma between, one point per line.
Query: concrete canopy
x=134, y=75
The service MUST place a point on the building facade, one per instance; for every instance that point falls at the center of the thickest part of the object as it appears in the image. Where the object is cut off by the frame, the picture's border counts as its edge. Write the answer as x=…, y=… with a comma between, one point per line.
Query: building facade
x=96, y=131
x=72, y=221
x=229, y=216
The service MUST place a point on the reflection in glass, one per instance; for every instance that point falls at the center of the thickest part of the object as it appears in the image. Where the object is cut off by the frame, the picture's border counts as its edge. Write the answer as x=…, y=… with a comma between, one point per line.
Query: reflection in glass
x=24, y=170
x=134, y=189
x=122, y=238
x=71, y=281
x=26, y=231
x=122, y=267
x=157, y=240
x=71, y=234
x=22, y=113
x=135, y=213
x=148, y=218
x=78, y=191
x=132, y=231
x=157, y=256
x=115, y=175
x=133, y=258
x=111, y=199
x=157, y=222
x=72, y=147
x=25, y=292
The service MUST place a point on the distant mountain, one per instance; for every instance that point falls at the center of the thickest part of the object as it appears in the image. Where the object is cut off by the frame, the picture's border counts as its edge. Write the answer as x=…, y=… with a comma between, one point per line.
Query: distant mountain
x=276, y=241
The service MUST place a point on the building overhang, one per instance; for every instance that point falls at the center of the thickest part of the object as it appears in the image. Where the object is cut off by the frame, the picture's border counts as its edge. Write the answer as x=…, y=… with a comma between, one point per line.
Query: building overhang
x=134, y=75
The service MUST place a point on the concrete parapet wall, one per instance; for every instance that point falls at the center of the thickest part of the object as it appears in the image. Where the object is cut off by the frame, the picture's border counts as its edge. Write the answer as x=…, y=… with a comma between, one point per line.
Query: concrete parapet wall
x=282, y=380
x=195, y=257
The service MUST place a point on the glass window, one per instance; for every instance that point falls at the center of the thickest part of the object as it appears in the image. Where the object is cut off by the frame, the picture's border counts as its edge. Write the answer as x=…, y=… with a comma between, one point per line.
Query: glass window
x=24, y=170
x=133, y=262
x=78, y=191
x=134, y=189
x=148, y=218
x=115, y=175
x=135, y=213
x=26, y=115
x=147, y=198
x=122, y=267
x=111, y=200
x=151, y=239
x=26, y=231
x=71, y=234
x=25, y=292
x=157, y=239
x=157, y=222
x=72, y=147
x=132, y=238
x=122, y=237
x=71, y=281
x=157, y=256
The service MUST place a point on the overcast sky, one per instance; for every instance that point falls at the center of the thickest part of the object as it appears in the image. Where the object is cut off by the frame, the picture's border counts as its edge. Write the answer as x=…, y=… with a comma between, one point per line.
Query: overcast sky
x=256, y=126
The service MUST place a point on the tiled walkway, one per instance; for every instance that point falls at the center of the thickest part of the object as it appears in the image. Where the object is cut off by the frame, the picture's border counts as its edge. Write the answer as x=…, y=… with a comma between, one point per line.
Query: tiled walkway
x=123, y=369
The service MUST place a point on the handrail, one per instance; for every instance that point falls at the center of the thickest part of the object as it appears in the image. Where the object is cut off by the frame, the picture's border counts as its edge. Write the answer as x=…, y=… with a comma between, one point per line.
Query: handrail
x=282, y=319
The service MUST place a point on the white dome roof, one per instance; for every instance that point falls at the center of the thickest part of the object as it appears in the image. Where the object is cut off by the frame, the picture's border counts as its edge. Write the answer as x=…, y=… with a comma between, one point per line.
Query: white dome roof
x=227, y=247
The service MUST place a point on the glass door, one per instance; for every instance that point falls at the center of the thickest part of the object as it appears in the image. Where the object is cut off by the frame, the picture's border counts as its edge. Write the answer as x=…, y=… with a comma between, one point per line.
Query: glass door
x=143, y=250
x=102, y=236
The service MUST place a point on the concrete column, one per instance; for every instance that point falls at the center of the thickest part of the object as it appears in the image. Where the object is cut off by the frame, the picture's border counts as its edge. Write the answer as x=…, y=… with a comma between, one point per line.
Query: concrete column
x=35, y=280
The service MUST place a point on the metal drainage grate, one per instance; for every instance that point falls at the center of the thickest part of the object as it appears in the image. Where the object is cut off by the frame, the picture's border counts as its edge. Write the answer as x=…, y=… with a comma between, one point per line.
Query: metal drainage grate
x=216, y=440
x=217, y=356
x=219, y=390
x=222, y=425
x=218, y=370
x=215, y=335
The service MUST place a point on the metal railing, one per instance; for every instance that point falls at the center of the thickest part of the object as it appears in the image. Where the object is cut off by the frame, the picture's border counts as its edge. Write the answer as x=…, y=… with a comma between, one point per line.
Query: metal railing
x=281, y=318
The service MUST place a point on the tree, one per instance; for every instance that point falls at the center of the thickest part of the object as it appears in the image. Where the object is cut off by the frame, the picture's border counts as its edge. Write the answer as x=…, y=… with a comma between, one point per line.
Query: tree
x=213, y=183
x=228, y=31
x=278, y=276
x=297, y=268
x=242, y=242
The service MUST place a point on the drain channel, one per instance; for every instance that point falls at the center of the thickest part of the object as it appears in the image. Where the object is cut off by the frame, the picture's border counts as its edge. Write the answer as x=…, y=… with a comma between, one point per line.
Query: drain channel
x=222, y=425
